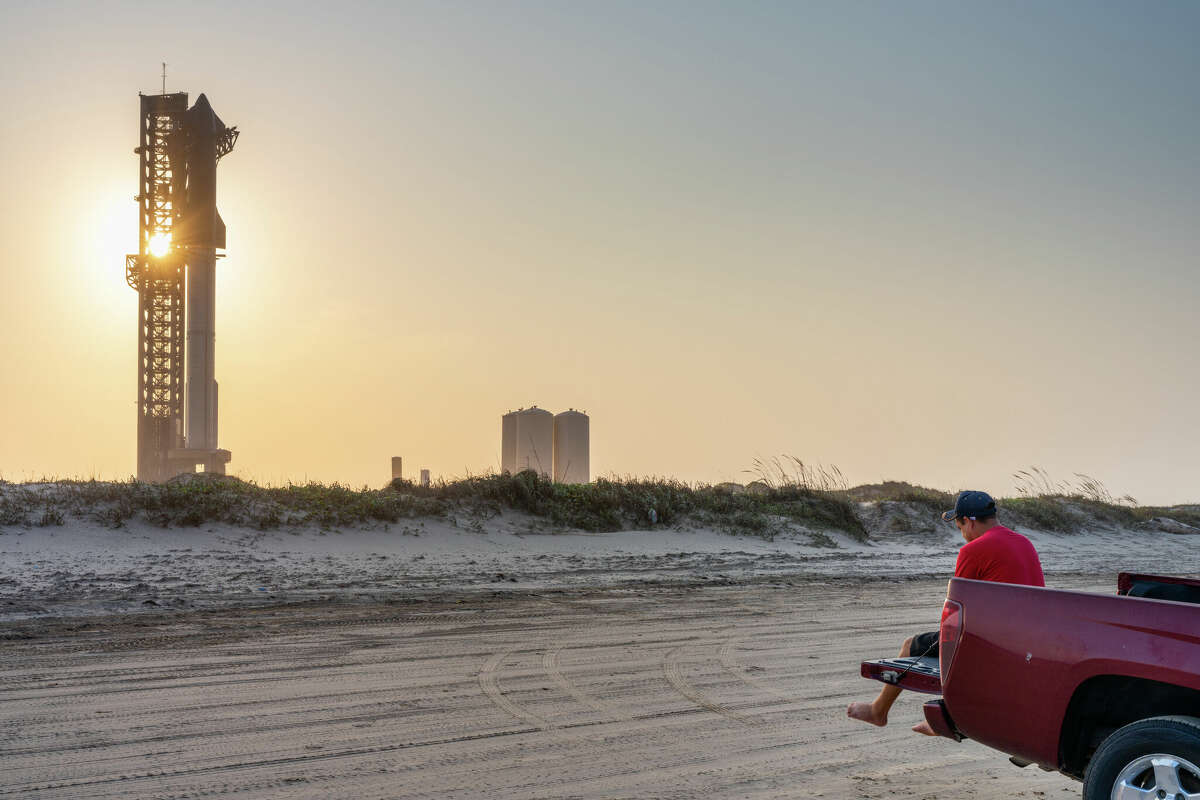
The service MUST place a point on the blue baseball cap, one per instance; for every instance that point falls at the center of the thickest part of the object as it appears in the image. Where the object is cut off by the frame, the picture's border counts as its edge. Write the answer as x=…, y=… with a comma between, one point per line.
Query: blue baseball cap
x=972, y=505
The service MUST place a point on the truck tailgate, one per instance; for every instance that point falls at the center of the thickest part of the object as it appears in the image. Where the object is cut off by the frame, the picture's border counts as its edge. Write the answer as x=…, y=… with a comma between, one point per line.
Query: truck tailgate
x=914, y=674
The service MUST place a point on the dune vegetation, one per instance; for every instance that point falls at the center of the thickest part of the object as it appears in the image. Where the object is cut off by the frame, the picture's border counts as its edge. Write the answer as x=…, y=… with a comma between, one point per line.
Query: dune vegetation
x=784, y=494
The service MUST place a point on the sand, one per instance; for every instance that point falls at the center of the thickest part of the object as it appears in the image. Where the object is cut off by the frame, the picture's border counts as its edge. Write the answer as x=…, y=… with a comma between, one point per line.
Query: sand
x=445, y=662
x=730, y=691
x=87, y=568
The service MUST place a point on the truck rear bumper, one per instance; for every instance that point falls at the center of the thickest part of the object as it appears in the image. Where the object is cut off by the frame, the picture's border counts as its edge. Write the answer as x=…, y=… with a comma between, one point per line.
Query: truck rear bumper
x=939, y=719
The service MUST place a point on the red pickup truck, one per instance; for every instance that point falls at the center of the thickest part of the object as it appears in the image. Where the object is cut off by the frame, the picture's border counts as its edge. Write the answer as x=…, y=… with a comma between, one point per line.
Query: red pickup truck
x=1103, y=688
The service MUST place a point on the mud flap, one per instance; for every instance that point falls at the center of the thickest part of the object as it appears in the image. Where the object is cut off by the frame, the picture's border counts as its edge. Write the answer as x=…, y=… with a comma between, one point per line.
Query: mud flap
x=939, y=720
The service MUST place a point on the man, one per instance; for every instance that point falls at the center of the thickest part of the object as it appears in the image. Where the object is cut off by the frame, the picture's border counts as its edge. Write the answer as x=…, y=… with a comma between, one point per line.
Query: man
x=992, y=553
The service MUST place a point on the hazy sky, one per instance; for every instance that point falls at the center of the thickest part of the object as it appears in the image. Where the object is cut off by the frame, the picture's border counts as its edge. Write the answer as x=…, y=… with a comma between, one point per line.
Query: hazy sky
x=936, y=242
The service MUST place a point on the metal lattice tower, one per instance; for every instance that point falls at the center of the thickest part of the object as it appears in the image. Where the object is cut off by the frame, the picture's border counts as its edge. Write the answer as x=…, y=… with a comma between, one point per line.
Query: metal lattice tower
x=158, y=279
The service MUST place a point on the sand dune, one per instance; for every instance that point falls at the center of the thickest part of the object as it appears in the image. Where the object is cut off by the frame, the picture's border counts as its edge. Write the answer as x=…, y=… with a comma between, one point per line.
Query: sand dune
x=85, y=567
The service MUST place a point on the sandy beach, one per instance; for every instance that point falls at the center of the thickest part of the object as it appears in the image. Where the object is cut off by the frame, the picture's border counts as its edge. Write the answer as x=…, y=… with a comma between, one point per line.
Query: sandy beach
x=439, y=659
x=726, y=691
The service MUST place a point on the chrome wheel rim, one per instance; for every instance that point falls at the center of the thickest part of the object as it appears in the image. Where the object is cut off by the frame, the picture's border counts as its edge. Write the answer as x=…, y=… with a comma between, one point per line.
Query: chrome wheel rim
x=1158, y=776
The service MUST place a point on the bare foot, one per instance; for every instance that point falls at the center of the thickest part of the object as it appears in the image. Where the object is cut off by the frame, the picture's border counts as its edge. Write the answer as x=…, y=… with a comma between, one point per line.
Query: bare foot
x=867, y=713
x=923, y=729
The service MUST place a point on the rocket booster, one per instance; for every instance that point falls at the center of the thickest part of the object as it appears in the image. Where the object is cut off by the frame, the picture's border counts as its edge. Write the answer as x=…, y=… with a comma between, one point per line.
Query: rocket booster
x=202, y=232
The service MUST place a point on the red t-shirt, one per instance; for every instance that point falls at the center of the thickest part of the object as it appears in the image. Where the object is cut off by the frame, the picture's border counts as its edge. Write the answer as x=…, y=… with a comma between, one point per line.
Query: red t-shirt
x=1000, y=555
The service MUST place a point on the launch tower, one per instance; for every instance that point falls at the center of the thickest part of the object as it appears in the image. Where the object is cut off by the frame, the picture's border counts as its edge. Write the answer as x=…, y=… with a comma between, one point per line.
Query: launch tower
x=174, y=274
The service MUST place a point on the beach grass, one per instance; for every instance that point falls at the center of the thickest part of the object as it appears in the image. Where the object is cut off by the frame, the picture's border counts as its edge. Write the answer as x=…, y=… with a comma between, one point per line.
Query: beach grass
x=603, y=505
x=787, y=495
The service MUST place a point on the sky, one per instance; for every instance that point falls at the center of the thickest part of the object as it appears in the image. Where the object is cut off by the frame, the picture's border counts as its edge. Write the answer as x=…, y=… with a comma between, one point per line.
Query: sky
x=938, y=242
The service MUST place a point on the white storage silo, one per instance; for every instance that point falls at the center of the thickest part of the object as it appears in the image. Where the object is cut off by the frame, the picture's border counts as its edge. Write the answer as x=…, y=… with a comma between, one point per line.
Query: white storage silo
x=571, y=447
x=508, y=443
x=535, y=441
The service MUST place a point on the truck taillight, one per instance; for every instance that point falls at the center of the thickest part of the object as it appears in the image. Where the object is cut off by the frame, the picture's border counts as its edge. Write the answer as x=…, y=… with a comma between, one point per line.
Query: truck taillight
x=949, y=634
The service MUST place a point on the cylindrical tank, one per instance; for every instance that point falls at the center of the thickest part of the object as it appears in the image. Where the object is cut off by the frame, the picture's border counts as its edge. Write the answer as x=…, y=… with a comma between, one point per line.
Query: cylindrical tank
x=535, y=441
x=572, y=449
x=508, y=443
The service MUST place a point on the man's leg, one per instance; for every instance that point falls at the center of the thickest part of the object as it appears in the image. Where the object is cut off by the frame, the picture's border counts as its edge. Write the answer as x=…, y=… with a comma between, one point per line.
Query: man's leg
x=876, y=711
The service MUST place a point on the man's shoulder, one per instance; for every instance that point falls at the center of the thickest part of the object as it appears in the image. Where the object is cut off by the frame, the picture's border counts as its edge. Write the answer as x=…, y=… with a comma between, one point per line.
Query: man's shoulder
x=1007, y=544
x=998, y=537
x=1003, y=532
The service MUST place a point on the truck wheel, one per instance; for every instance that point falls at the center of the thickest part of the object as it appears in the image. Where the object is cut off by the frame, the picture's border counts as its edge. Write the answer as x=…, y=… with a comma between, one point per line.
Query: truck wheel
x=1152, y=759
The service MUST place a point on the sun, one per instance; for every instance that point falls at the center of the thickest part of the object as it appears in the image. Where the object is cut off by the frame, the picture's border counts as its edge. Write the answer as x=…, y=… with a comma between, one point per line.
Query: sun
x=160, y=244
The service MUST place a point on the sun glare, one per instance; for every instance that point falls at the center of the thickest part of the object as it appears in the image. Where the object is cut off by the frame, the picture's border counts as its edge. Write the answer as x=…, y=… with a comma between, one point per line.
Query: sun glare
x=160, y=244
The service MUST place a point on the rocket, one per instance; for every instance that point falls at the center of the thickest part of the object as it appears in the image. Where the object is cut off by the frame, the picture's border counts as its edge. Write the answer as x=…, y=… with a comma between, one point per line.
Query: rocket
x=201, y=232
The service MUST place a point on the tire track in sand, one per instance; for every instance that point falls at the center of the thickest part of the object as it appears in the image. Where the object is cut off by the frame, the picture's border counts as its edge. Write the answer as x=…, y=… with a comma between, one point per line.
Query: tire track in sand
x=670, y=667
x=491, y=688
x=550, y=663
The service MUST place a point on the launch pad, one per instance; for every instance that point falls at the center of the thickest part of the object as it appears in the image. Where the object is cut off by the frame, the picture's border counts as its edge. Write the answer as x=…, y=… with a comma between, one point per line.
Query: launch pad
x=174, y=274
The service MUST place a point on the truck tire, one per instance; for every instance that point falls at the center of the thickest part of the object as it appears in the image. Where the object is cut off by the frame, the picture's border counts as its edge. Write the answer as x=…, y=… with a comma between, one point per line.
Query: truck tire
x=1156, y=757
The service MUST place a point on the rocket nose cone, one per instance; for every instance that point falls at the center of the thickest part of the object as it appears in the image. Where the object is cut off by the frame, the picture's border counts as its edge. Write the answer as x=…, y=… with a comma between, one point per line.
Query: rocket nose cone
x=202, y=112
x=201, y=106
